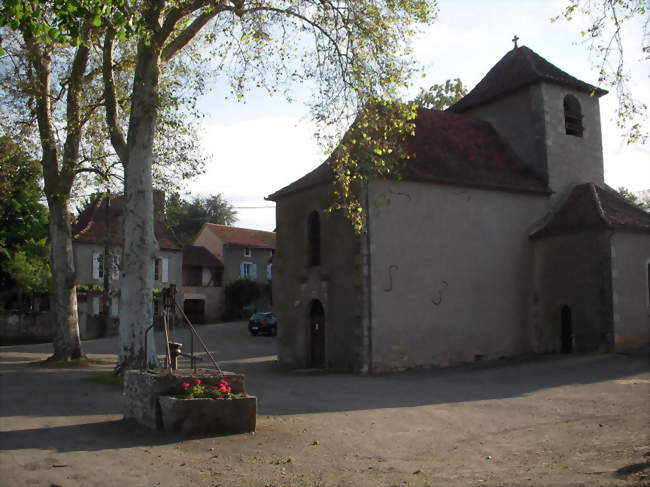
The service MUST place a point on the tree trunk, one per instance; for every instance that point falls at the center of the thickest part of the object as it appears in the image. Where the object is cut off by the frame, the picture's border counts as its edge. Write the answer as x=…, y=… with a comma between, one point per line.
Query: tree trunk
x=67, y=344
x=140, y=246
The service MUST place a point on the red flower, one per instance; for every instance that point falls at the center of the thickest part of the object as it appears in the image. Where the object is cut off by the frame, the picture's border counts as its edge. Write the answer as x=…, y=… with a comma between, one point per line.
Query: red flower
x=185, y=385
x=197, y=382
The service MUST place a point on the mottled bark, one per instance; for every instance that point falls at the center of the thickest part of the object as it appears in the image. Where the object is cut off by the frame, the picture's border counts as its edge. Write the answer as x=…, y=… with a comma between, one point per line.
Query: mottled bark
x=140, y=246
x=58, y=176
x=67, y=343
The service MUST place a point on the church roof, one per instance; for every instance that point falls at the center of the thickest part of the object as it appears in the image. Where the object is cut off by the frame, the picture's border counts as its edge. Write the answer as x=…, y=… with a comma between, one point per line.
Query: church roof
x=518, y=69
x=448, y=148
x=242, y=236
x=100, y=223
x=591, y=207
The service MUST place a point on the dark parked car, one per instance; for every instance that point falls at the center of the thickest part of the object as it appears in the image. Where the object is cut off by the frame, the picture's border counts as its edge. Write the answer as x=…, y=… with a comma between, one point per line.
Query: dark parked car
x=263, y=323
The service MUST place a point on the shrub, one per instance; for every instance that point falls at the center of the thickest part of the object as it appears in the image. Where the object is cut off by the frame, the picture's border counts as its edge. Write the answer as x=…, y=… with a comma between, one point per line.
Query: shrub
x=240, y=293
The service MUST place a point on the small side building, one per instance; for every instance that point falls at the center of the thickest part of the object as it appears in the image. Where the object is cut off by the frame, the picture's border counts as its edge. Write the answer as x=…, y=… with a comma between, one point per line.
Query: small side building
x=202, y=289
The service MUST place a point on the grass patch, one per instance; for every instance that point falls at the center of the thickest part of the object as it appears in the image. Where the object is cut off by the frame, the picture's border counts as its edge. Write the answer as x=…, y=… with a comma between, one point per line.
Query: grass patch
x=68, y=364
x=107, y=378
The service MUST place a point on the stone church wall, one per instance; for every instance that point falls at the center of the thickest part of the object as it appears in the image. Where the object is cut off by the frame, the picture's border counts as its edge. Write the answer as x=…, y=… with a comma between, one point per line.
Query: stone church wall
x=574, y=271
x=451, y=273
x=630, y=289
x=336, y=283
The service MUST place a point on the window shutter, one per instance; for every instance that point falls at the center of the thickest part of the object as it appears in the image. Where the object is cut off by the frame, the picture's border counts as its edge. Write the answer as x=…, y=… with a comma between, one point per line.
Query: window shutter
x=96, y=264
x=115, y=263
x=165, y=269
x=254, y=272
x=95, y=305
x=241, y=269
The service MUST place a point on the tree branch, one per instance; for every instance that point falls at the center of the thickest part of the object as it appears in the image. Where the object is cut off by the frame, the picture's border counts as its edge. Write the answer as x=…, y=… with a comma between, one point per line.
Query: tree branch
x=187, y=34
x=41, y=62
x=73, y=114
x=117, y=136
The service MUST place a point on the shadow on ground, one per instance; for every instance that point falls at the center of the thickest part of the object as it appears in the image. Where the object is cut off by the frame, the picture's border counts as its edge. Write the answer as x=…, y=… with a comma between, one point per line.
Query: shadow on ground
x=29, y=391
x=105, y=435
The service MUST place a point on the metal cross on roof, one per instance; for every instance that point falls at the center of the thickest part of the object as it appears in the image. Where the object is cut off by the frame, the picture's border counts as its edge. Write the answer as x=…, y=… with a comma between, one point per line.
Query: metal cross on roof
x=515, y=39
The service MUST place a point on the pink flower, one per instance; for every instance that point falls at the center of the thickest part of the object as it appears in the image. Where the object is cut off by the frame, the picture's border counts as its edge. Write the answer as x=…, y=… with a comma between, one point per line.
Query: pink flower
x=185, y=385
x=197, y=382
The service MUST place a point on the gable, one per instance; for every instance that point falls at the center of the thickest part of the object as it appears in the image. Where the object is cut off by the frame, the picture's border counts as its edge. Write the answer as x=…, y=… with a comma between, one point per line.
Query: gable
x=519, y=68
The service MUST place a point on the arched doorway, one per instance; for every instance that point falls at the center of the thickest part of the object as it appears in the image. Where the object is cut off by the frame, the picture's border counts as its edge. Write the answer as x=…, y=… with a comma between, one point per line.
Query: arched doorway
x=316, y=335
x=567, y=330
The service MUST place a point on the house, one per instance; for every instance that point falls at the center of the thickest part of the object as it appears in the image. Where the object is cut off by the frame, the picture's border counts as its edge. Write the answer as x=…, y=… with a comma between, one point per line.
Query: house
x=499, y=239
x=202, y=289
x=98, y=230
x=244, y=252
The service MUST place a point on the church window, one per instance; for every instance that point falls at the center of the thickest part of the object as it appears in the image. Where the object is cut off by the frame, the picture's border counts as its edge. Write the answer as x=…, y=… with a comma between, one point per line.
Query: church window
x=313, y=239
x=572, y=116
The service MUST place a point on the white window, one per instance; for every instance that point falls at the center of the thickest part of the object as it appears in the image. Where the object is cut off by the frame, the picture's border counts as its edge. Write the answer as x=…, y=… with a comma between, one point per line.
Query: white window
x=161, y=269
x=269, y=272
x=247, y=251
x=98, y=265
x=248, y=270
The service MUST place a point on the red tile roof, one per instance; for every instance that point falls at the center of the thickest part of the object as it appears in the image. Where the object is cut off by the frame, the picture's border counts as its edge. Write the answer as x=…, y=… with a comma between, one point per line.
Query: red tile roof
x=452, y=149
x=519, y=68
x=590, y=207
x=242, y=236
x=197, y=256
x=97, y=223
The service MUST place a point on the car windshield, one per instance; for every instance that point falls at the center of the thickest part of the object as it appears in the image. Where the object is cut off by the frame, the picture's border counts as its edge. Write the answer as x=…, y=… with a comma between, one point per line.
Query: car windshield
x=260, y=316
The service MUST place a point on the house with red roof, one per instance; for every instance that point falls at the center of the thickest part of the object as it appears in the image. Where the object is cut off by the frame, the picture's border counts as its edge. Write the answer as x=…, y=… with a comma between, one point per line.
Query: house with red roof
x=498, y=238
x=245, y=252
x=98, y=232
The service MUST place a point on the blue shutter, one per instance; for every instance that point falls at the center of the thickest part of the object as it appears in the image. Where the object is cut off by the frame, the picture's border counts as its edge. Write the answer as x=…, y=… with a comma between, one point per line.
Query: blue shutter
x=241, y=269
x=254, y=272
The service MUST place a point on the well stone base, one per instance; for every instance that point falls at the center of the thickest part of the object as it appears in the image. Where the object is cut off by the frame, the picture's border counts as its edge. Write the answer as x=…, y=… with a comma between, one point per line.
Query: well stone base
x=142, y=390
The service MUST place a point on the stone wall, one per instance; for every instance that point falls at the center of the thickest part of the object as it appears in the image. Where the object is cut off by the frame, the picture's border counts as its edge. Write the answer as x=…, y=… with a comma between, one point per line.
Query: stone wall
x=25, y=327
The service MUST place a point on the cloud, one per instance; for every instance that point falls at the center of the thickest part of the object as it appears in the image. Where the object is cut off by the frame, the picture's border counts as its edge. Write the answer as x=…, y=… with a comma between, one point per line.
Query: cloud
x=254, y=158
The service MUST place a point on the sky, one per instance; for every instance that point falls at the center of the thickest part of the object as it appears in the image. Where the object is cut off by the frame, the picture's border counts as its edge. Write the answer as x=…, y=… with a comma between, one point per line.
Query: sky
x=260, y=146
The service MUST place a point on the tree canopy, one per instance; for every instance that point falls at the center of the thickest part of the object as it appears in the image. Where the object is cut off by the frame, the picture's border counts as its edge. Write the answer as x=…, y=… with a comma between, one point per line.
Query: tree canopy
x=185, y=217
x=441, y=96
x=23, y=225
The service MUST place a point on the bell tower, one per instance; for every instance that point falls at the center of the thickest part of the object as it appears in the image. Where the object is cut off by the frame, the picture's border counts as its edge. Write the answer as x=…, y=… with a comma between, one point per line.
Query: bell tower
x=549, y=118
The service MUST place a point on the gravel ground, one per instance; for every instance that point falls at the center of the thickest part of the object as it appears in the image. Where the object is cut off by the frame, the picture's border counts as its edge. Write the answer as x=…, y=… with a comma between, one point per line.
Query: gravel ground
x=554, y=421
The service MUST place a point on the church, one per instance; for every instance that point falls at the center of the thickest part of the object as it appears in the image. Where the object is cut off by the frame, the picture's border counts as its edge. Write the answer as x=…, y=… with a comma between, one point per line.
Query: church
x=500, y=239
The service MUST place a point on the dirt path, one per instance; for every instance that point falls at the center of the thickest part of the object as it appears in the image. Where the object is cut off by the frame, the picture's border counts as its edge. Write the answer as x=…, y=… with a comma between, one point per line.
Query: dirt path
x=579, y=420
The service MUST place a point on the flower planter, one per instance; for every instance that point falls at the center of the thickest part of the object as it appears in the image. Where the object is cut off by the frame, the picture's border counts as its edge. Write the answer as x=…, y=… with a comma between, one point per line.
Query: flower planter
x=143, y=388
x=204, y=416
